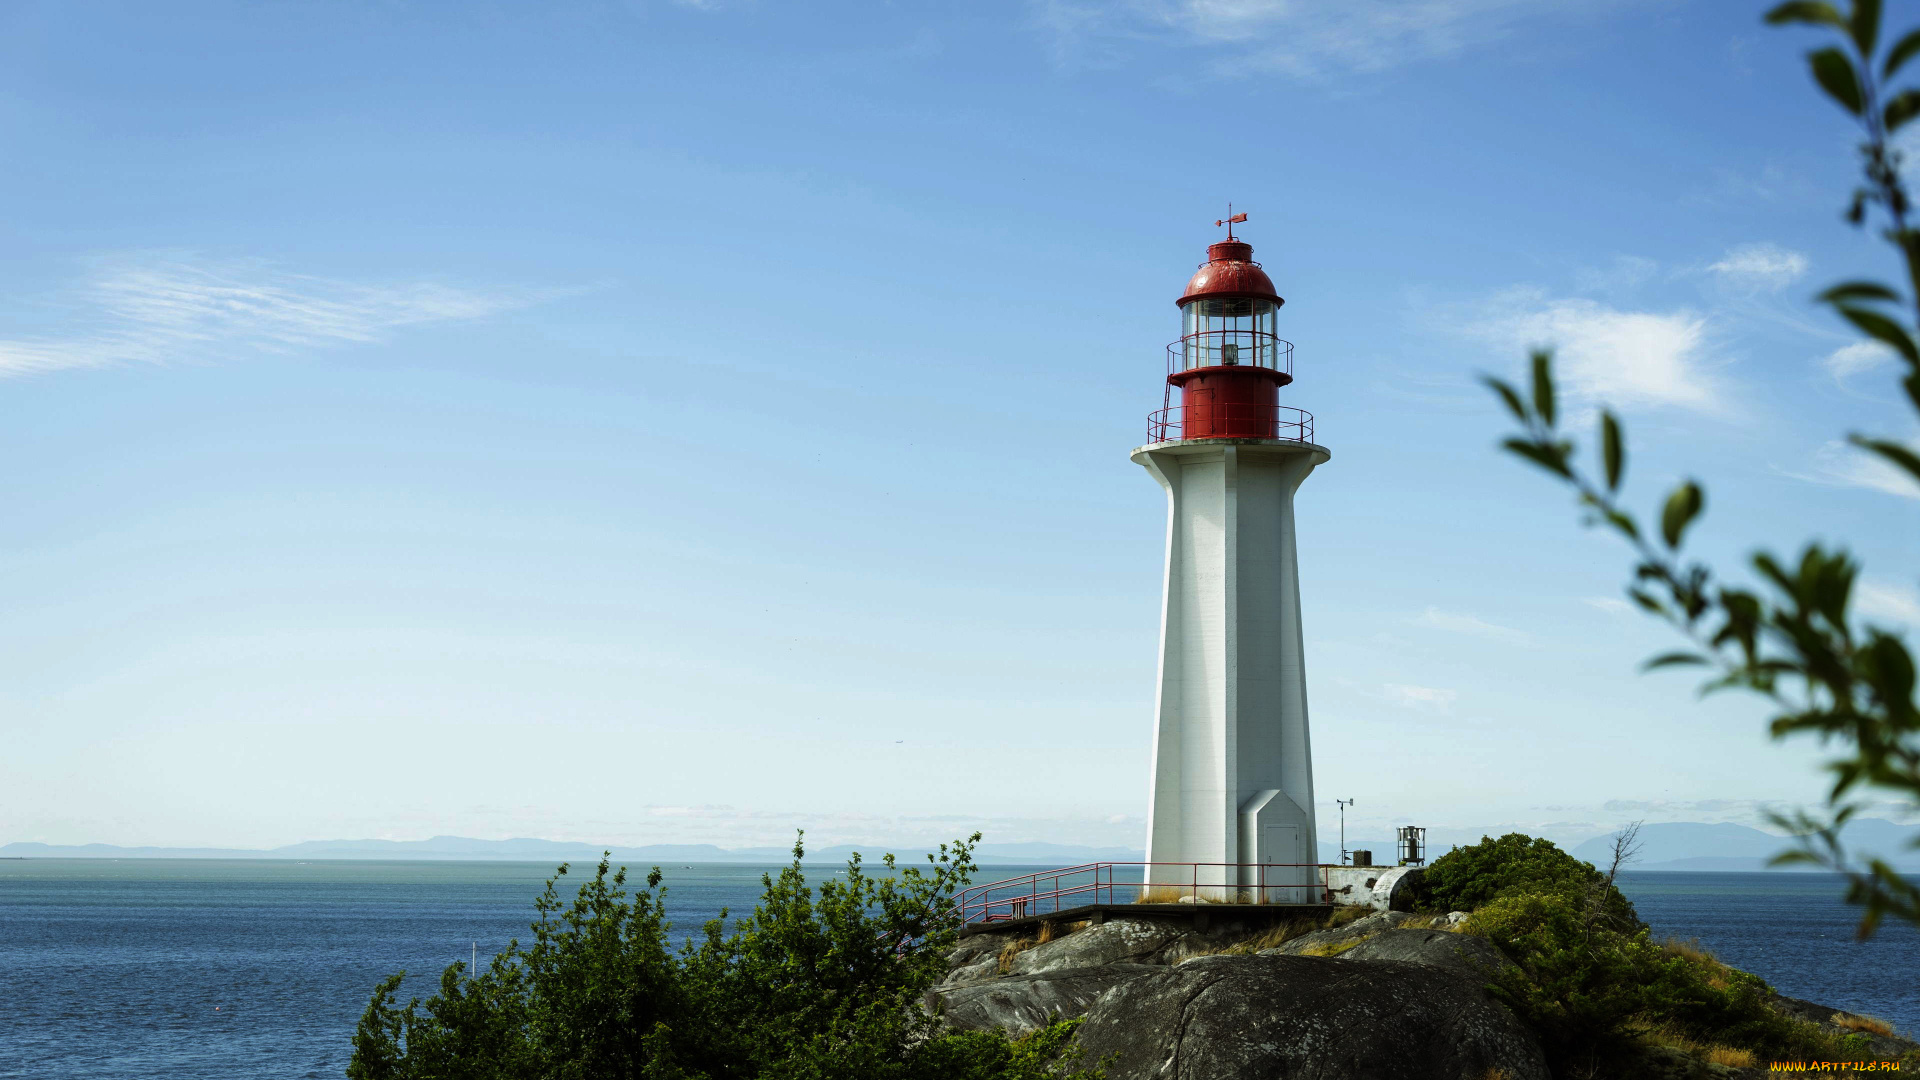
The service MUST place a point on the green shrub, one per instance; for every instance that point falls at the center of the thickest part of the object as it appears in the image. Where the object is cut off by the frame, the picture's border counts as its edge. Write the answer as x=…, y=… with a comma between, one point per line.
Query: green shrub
x=816, y=984
x=1468, y=877
x=1575, y=983
x=1589, y=979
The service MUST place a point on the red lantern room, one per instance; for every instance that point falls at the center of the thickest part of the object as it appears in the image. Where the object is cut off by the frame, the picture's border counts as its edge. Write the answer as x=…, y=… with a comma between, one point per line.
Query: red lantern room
x=1229, y=363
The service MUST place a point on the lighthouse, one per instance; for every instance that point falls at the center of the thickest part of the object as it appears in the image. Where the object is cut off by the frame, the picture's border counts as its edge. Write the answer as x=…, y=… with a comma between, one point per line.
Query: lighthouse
x=1231, y=807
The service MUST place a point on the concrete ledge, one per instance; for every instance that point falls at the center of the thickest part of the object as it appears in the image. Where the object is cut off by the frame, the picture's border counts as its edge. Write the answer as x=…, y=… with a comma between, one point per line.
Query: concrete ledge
x=1184, y=447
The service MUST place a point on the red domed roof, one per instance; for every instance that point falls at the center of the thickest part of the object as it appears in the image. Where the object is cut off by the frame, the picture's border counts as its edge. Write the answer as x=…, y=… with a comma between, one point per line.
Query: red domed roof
x=1230, y=271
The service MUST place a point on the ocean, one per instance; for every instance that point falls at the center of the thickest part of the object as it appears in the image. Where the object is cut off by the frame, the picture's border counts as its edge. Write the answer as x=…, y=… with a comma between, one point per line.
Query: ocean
x=240, y=969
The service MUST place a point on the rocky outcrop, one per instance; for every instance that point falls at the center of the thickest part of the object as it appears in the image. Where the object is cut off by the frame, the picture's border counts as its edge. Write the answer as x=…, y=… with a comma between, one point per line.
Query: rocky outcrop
x=975, y=959
x=1320, y=941
x=1395, y=1003
x=1473, y=957
x=1372, y=998
x=1305, y=1018
x=1018, y=1004
x=1117, y=941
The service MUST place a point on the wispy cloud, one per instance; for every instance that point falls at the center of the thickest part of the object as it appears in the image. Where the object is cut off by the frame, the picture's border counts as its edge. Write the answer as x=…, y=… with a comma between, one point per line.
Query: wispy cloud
x=1760, y=267
x=1610, y=605
x=1839, y=464
x=1303, y=40
x=1457, y=623
x=1887, y=601
x=1422, y=698
x=146, y=308
x=1605, y=353
x=1856, y=359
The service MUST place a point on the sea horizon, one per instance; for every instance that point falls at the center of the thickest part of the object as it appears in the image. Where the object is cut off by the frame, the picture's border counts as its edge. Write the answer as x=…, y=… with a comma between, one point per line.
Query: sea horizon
x=243, y=968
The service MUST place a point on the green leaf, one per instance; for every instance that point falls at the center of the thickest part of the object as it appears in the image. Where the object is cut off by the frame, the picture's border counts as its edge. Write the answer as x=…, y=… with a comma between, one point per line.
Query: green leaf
x=1509, y=395
x=1647, y=601
x=1865, y=25
x=1682, y=507
x=1900, y=456
x=1903, y=51
x=1835, y=74
x=1857, y=290
x=1612, y=452
x=1543, y=386
x=1879, y=326
x=1673, y=659
x=1623, y=523
x=1904, y=106
x=1805, y=11
x=1892, y=668
x=1551, y=458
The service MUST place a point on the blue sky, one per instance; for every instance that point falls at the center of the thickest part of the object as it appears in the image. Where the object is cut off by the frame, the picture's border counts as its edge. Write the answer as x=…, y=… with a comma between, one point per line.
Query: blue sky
x=645, y=422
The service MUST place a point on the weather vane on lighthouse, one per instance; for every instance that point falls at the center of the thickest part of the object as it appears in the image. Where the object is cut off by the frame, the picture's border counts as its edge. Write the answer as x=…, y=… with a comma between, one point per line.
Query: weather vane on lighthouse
x=1231, y=220
x=1232, y=771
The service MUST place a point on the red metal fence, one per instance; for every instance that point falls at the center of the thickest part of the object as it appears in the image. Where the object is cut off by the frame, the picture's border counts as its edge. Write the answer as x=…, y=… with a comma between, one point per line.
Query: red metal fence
x=1231, y=419
x=1048, y=891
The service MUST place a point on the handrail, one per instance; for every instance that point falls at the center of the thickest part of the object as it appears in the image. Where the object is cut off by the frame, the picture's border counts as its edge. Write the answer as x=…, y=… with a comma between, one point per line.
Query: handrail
x=1239, y=883
x=1230, y=420
x=1249, y=348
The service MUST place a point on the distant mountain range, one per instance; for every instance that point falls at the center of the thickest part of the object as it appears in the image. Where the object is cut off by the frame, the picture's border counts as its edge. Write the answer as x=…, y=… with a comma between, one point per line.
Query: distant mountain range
x=1664, y=846
x=1688, y=845
x=531, y=850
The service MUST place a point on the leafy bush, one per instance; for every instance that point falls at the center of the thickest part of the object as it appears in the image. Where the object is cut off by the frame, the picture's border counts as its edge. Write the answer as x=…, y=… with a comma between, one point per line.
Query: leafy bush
x=1590, y=990
x=815, y=984
x=1587, y=975
x=1575, y=983
x=1466, y=878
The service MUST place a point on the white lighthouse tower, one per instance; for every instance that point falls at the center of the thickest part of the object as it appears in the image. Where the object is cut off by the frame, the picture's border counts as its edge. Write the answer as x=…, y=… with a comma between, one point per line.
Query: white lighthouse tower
x=1232, y=771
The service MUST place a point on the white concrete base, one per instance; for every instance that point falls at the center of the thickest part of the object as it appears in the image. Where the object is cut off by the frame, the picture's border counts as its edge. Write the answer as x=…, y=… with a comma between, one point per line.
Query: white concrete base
x=1232, y=774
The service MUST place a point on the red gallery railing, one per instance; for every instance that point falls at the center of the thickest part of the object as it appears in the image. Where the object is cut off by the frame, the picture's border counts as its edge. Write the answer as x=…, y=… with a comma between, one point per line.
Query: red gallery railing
x=1045, y=892
x=1230, y=420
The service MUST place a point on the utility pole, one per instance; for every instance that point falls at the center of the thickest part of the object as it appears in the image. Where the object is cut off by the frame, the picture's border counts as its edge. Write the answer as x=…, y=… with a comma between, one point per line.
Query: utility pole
x=1343, y=803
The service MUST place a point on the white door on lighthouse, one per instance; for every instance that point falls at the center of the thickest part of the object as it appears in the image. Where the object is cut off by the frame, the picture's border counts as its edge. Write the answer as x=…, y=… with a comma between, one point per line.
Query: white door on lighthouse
x=1280, y=846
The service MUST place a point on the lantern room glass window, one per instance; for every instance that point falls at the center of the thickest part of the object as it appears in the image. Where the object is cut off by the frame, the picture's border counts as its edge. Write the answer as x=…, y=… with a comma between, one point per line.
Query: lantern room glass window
x=1230, y=330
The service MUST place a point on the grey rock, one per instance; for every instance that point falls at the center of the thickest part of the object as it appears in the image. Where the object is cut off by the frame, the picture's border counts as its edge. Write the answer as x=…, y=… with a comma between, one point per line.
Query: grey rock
x=1373, y=924
x=984, y=970
x=1357, y=930
x=1318, y=939
x=1474, y=957
x=1116, y=941
x=975, y=959
x=1018, y=1004
x=1305, y=1018
x=1453, y=919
